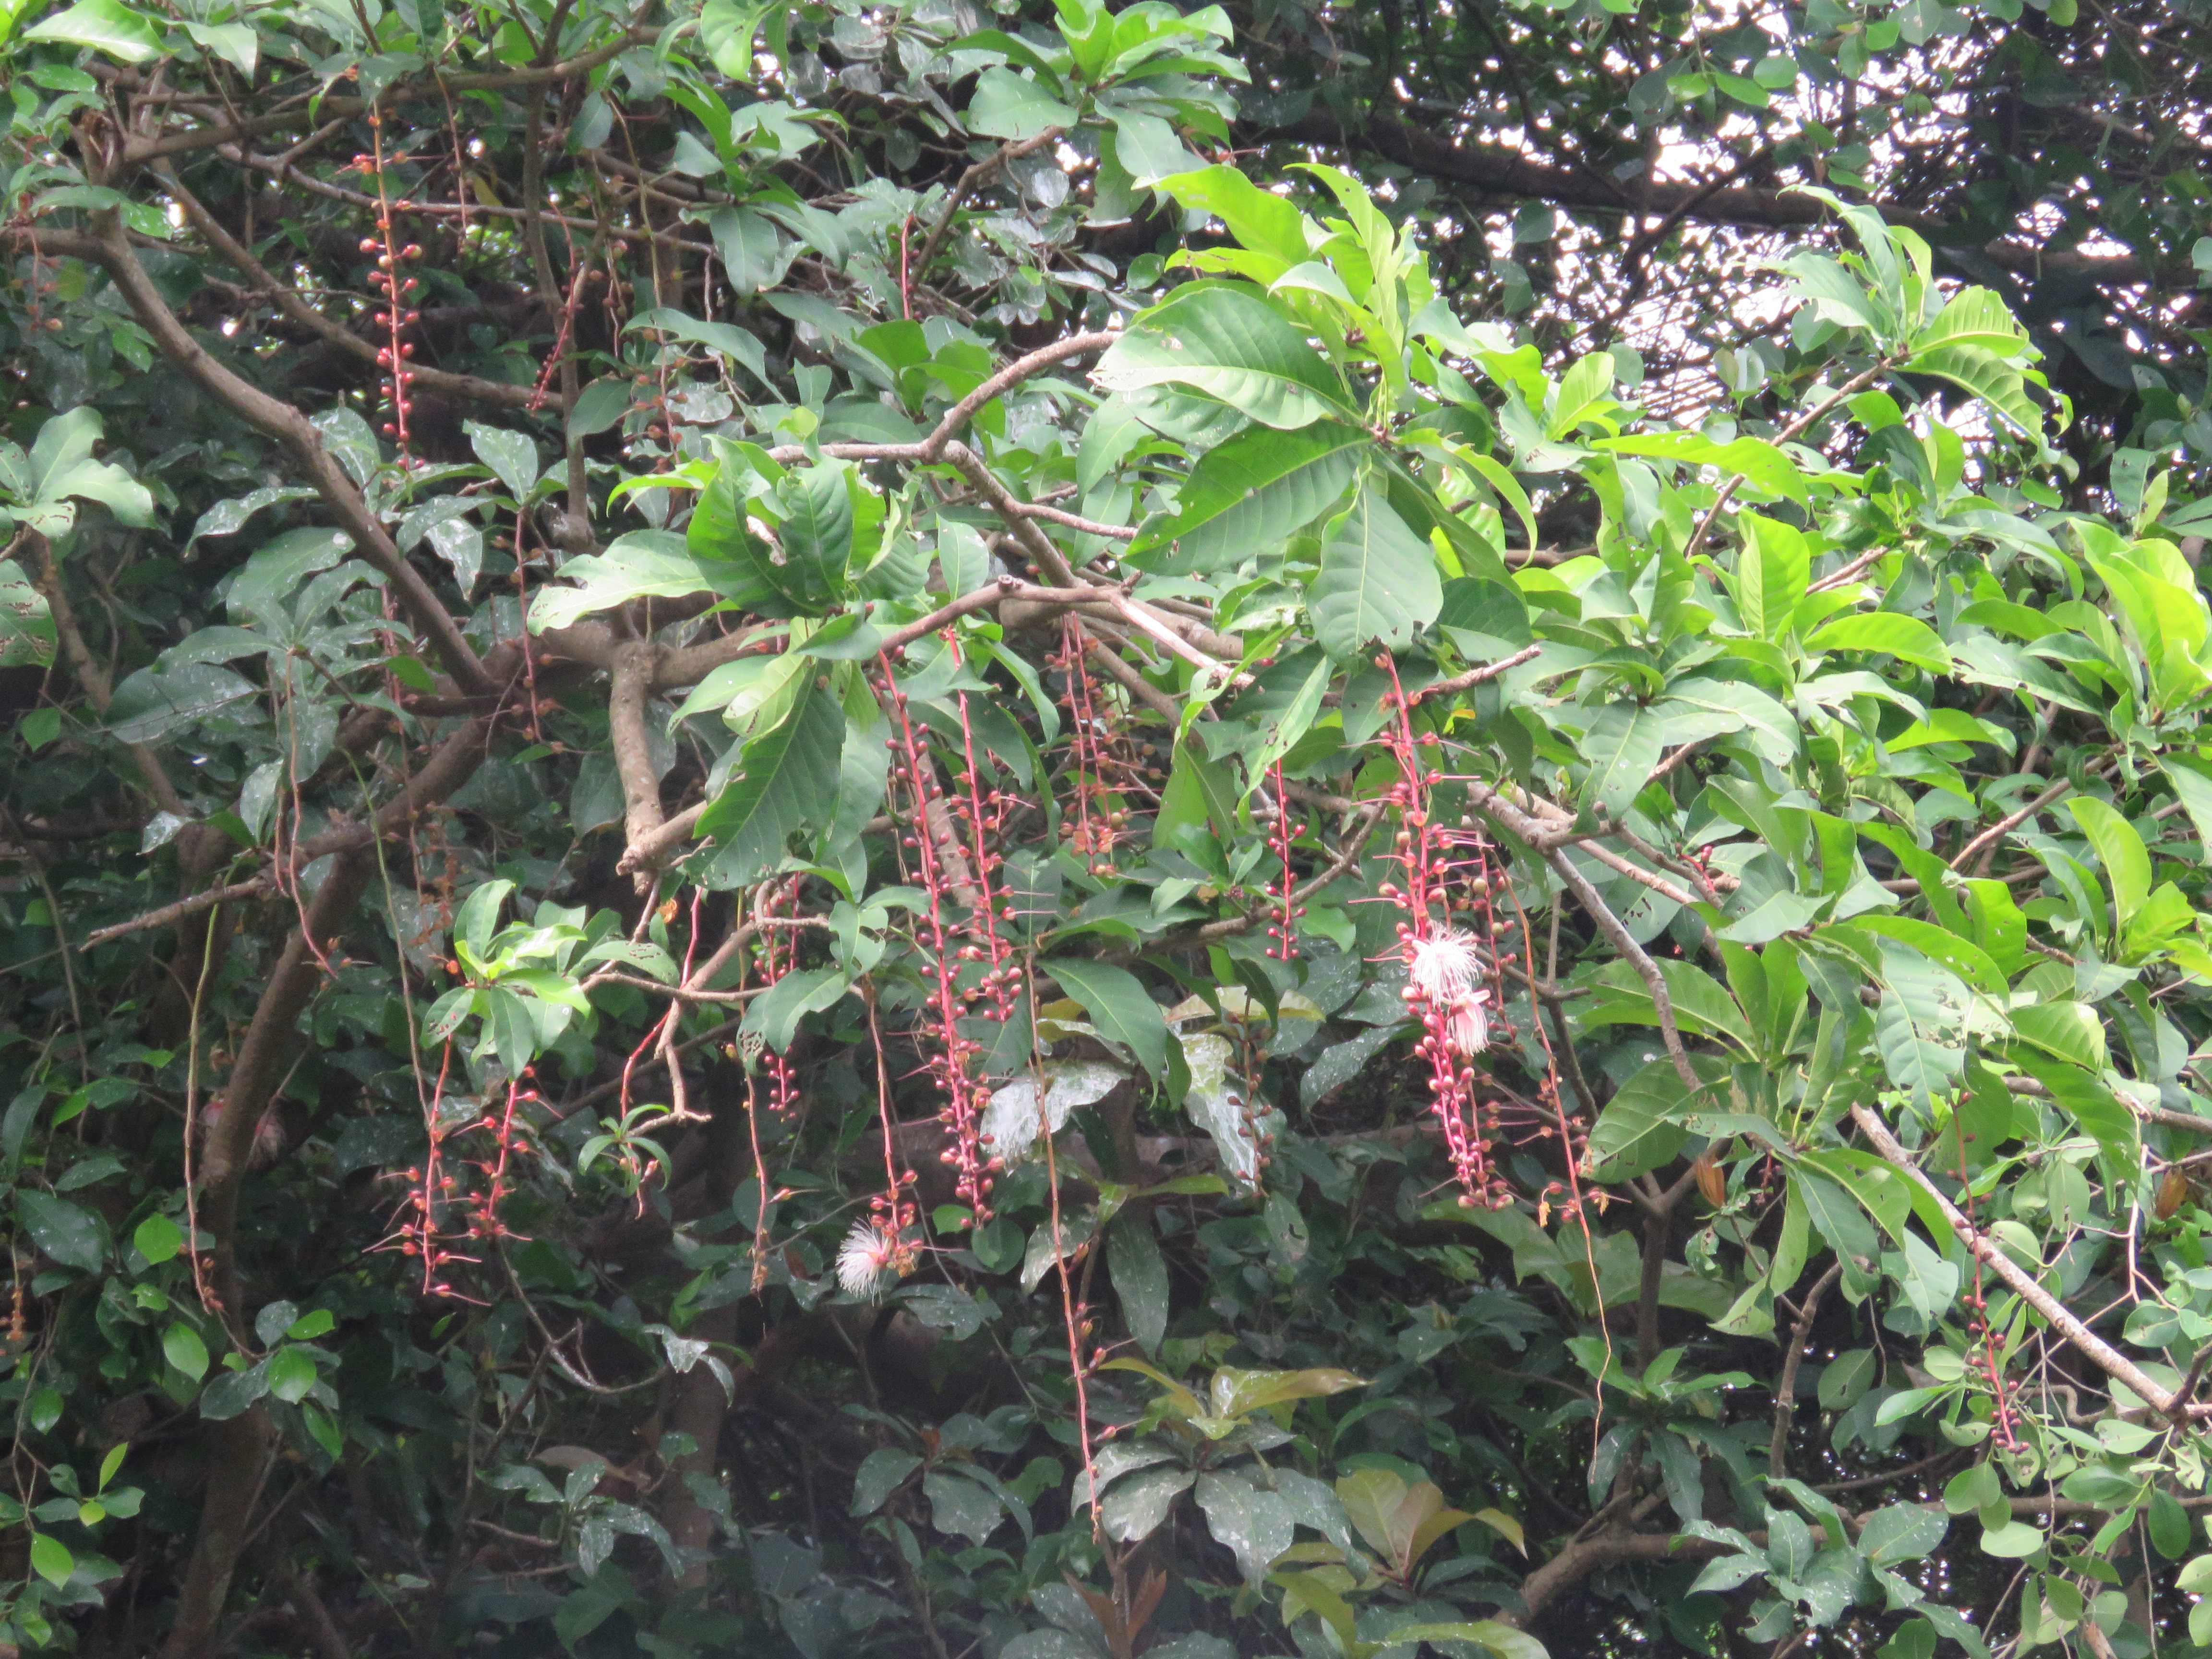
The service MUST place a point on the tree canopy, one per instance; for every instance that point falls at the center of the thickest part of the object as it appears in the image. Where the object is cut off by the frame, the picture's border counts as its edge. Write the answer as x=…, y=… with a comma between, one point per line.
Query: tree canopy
x=1079, y=833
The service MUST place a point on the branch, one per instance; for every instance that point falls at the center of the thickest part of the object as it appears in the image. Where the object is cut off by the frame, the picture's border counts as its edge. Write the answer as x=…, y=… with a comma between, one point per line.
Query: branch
x=1785, y=1391
x=967, y=183
x=1473, y=676
x=1646, y=969
x=299, y=312
x=641, y=817
x=2102, y=1353
x=285, y=423
x=137, y=151
x=1496, y=170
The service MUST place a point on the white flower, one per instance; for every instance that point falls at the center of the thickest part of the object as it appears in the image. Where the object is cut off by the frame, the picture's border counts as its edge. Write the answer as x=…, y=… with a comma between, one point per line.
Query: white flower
x=1441, y=972
x=1467, y=1029
x=1443, y=967
x=864, y=1260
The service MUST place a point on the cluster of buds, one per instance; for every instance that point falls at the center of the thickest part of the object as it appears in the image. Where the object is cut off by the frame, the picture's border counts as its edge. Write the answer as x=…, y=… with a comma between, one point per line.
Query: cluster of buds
x=437, y=1199
x=1101, y=820
x=395, y=289
x=950, y=873
x=506, y=1132
x=1985, y=1343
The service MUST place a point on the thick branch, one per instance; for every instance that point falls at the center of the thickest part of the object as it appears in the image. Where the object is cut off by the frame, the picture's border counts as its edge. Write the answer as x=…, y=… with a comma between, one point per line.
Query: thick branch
x=1493, y=170
x=642, y=816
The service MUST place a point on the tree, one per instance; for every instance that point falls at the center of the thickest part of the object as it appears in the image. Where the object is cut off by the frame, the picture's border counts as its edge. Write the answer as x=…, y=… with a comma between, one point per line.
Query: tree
x=810, y=851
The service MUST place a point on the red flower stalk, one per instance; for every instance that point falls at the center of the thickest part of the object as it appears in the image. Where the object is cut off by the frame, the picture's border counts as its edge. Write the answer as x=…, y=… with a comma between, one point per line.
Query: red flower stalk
x=1446, y=972
x=1098, y=823
x=948, y=1053
x=1283, y=930
x=389, y=279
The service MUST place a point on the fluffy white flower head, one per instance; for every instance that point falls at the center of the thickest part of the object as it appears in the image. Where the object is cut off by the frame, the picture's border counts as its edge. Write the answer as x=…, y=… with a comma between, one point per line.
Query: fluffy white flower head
x=864, y=1260
x=1442, y=966
x=1441, y=971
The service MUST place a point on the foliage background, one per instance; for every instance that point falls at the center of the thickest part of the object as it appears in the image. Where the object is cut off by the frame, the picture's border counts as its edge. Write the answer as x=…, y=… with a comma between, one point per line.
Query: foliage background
x=634, y=639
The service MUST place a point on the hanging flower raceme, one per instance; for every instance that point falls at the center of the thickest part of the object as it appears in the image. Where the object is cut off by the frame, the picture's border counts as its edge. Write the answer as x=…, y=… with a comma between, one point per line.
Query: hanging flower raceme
x=959, y=876
x=1450, y=986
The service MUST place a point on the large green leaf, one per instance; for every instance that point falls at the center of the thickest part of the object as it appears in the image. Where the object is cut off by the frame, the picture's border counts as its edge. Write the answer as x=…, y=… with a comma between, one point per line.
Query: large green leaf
x=1623, y=744
x=106, y=26
x=1119, y=1006
x=1377, y=582
x=1641, y=1127
x=1232, y=347
x=69, y=1233
x=1259, y=219
x=1885, y=631
x=1987, y=376
x=2119, y=849
x=646, y=563
x=155, y=701
x=1973, y=317
x=1252, y=493
x=786, y=780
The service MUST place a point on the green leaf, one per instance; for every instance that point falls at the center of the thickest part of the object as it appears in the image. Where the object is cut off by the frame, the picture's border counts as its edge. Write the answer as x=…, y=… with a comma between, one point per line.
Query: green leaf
x=1377, y=582
x=2193, y=784
x=962, y=1507
x=1140, y=1278
x=291, y=1374
x=49, y=1558
x=182, y=1348
x=1902, y=1532
x=511, y=456
x=124, y=34
x=71, y=1234
x=816, y=537
x=1623, y=744
x=882, y=1473
x=2011, y=1540
x=648, y=563
x=599, y=405
x=1008, y=106
x=786, y=780
x=158, y=1239
x=1232, y=347
x=1119, y=1006
x=1259, y=219
x=155, y=702
x=1974, y=317
x=274, y=575
x=1761, y=465
x=1253, y=492
x=1886, y=631
x=2119, y=849
x=726, y=28
x=1640, y=1129
x=1987, y=377
x=775, y=1013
